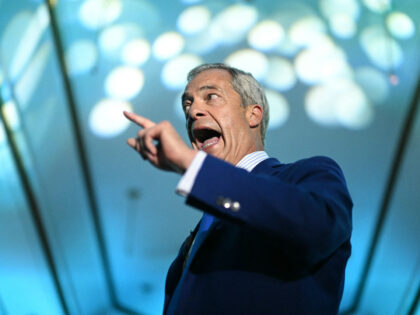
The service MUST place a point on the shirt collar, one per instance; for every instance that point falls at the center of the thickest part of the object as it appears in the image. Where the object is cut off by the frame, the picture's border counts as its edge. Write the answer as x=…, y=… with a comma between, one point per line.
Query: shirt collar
x=251, y=160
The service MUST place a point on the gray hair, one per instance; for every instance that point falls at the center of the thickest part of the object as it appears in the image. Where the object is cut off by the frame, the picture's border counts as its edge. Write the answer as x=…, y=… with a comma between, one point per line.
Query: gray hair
x=250, y=91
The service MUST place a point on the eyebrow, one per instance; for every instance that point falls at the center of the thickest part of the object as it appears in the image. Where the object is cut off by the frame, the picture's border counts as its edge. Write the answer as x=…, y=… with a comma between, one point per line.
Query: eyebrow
x=187, y=96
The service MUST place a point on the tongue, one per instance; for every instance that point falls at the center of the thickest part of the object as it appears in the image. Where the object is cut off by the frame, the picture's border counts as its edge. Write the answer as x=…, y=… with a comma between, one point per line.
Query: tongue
x=210, y=141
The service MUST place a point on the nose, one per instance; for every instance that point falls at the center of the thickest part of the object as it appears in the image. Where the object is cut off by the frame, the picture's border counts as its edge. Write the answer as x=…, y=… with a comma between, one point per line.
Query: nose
x=196, y=111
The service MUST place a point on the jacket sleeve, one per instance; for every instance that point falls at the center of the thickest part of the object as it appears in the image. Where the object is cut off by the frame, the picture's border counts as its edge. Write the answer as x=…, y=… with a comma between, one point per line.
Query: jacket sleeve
x=305, y=205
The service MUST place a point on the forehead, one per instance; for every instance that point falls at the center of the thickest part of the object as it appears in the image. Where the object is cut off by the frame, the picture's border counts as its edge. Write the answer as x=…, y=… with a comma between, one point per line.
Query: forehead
x=218, y=78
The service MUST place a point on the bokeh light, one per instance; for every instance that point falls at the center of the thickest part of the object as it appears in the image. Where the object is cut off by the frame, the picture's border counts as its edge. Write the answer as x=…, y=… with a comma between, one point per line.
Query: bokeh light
x=307, y=31
x=175, y=71
x=400, y=25
x=321, y=63
x=136, y=52
x=354, y=111
x=250, y=61
x=281, y=74
x=339, y=102
x=373, y=82
x=124, y=82
x=341, y=15
x=266, y=35
x=331, y=8
x=168, y=45
x=382, y=50
x=343, y=26
x=11, y=113
x=279, y=109
x=378, y=6
x=194, y=20
x=232, y=24
x=95, y=14
x=113, y=38
x=81, y=57
x=106, y=119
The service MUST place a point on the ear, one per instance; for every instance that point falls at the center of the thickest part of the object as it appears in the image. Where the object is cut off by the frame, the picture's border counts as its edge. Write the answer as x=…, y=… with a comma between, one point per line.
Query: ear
x=254, y=115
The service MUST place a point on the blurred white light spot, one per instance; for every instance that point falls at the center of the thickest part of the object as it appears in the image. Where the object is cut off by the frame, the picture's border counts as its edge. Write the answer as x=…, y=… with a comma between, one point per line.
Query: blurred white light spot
x=339, y=102
x=95, y=14
x=106, y=118
x=28, y=82
x=278, y=108
x=11, y=114
x=342, y=25
x=400, y=25
x=194, y=20
x=232, y=24
x=374, y=83
x=378, y=6
x=136, y=52
x=168, y=45
x=307, y=31
x=330, y=8
x=175, y=71
x=266, y=35
x=321, y=63
x=382, y=50
x=281, y=75
x=354, y=111
x=81, y=57
x=250, y=61
x=113, y=38
x=124, y=83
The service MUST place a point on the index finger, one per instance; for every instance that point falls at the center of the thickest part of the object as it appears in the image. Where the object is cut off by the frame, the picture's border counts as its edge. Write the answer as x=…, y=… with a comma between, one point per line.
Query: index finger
x=139, y=120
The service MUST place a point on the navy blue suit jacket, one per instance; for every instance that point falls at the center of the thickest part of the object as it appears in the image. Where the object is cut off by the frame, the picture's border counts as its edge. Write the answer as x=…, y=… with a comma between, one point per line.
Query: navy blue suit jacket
x=284, y=251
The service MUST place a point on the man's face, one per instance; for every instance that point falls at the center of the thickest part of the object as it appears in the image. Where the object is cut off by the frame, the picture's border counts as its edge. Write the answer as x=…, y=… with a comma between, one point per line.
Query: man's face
x=216, y=121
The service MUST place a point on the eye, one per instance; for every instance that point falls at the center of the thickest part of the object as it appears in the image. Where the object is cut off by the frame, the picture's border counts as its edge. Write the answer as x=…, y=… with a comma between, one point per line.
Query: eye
x=186, y=108
x=212, y=96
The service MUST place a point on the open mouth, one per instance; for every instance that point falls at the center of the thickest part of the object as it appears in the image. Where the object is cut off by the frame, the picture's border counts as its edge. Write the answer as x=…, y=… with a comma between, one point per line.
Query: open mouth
x=205, y=138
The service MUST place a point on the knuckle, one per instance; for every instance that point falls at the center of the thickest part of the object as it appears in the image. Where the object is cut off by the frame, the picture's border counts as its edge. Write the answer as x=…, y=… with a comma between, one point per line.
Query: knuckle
x=165, y=123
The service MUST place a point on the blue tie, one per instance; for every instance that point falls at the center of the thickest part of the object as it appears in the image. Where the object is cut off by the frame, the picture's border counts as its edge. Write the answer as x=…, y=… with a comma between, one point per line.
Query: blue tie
x=206, y=221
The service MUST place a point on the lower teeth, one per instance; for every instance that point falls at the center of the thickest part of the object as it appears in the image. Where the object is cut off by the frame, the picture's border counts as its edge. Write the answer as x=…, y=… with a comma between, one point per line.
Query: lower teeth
x=208, y=144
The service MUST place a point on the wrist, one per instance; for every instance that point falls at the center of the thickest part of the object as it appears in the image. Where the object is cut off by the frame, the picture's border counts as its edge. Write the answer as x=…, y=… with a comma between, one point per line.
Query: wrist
x=187, y=160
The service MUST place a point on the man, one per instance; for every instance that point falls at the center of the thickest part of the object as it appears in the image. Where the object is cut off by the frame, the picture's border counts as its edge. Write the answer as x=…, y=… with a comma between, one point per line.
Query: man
x=274, y=238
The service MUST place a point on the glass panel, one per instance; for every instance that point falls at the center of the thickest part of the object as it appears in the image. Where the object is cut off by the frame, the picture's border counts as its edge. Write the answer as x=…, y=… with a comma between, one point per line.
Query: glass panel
x=26, y=284
x=36, y=103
